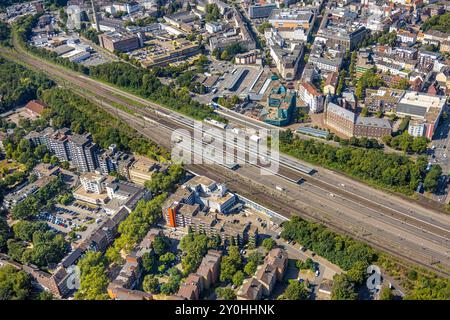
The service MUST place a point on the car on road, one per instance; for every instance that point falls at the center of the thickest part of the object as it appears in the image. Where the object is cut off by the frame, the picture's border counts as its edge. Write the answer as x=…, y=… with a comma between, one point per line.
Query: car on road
x=317, y=273
x=277, y=236
x=303, y=249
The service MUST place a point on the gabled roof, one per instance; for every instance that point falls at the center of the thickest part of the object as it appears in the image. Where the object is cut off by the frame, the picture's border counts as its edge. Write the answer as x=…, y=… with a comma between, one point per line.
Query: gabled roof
x=36, y=106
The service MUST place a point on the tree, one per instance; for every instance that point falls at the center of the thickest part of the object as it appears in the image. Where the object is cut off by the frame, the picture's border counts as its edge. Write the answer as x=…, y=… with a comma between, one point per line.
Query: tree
x=369, y=79
x=225, y=293
x=212, y=12
x=161, y=245
x=263, y=26
x=14, y=284
x=341, y=82
x=268, y=244
x=250, y=268
x=238, y=278
x=343, y=288
x=364, y=112
x=45, y=295
x=4, y=232
x=386, y=294
x=419, y=145
x=165, y=181
x=94, y=281
x=230, y=264
x=24, y=230
x=307, y=265
x=167, y=258
x=296, y=291
x=403, y=84
x=358, y=272
x=149, y=261
x=224, y=55
x=151, y=284
x=173, y=284
x=256, y=257
x=194, y=247
x=431, y=179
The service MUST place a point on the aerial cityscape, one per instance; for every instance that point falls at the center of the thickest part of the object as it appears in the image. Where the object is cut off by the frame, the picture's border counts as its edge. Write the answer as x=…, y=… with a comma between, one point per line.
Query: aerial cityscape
x=224, y=150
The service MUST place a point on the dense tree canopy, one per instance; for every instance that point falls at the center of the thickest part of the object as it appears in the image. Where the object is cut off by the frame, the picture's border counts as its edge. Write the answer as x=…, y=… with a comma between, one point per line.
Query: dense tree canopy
x=438, y=22
x=5, y=33
x=388, y=170
x=33, y=204
x=194, y=247
x=14, y=284
x=19, y=85
x=4, y=233
x=231, y=264
x=47, y=248
x=94, y=281
x=151, y=284
x=165, y=181
x=69, y=110
x=343, y=288
x=341, y=250
x=369, y=79
x=133, y=229
x=225, y=293
x=24, y=230
x=212, y=12
x=142, y=82
x=296, y=291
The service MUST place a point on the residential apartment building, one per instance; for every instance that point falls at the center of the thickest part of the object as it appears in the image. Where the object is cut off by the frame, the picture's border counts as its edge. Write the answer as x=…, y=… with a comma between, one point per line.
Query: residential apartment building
x=112, y=160
x=204, y=278
x=142, y=169
x=83, y=152
x=267, y=275
x=80, y=150
x=311, y=96
x=204, y=206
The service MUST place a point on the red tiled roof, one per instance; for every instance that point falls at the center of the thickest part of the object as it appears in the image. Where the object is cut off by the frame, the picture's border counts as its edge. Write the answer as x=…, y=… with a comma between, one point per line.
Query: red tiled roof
x=36, y=106
x=310, y=88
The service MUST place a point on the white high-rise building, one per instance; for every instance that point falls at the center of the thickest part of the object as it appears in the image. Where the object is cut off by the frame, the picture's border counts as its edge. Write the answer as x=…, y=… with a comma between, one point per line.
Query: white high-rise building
x=73, y=17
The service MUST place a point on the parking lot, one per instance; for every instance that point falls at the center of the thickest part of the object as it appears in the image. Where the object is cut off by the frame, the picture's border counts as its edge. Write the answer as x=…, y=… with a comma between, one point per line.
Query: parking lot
x=77, y=217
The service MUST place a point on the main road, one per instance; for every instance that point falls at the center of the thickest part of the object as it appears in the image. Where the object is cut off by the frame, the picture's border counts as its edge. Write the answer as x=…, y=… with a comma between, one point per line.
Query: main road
x=396, y=225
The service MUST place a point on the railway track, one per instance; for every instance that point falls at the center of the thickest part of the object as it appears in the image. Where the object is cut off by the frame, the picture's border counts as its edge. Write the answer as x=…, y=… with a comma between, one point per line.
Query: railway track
x=81, y=85
x=280, y=205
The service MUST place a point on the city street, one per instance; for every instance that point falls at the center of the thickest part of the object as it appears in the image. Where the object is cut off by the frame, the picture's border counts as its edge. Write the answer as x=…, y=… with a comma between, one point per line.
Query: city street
x=440, y=156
